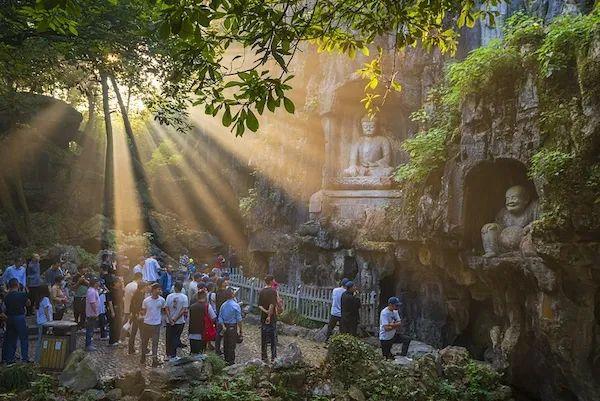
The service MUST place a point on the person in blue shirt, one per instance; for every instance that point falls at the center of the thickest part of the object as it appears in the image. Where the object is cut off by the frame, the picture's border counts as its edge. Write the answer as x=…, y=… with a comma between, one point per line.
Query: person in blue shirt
x=230, y=321
x=16, y=326
x=17, y=271
x=166, y=280
x=34, y=283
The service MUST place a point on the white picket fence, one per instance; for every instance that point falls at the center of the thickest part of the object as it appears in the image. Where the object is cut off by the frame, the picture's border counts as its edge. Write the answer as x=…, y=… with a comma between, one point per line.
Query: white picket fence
x=309, y=301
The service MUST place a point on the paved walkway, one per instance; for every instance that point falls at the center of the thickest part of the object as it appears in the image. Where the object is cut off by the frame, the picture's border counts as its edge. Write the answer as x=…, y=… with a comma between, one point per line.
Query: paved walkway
x=112, y=361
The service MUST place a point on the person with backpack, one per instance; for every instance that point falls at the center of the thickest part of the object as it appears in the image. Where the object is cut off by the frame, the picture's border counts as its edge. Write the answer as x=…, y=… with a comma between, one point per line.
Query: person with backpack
x=176, y=308
x=267, y=303
x=202, y=328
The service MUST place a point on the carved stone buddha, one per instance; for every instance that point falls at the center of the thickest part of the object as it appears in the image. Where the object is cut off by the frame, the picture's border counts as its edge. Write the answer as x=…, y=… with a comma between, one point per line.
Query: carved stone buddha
x=511, y=224
x=370, y=156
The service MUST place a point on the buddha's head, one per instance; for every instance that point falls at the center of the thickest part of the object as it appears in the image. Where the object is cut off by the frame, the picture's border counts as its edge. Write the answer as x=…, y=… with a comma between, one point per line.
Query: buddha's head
x=368, y=126
x=517, y=199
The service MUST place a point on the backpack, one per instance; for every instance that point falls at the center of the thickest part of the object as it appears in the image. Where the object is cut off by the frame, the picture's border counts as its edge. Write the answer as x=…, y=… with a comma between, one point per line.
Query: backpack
x=210, y=331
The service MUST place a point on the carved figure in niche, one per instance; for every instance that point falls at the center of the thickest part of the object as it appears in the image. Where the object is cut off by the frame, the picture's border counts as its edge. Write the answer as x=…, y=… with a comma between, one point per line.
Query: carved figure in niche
x=371, y=155
x=512, y=223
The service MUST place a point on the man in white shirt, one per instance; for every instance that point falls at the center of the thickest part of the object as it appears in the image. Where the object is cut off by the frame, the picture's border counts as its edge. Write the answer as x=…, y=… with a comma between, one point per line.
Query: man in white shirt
x=389, y=333
x=176, y=309
x=151, y=268
x=336, y=306
x=139, y=268
x=152, y=309
x=128, y=292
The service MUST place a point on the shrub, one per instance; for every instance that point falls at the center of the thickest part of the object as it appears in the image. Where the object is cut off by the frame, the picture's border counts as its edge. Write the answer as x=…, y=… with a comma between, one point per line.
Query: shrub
x=292, y=316
x=428, y=152
x=549, y=164
x=216, y=362
x=349, y=358
x=16, y=377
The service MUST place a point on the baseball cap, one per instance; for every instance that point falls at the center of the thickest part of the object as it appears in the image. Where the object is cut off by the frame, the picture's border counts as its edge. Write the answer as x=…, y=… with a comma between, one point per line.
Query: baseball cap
x=349, y=284
x=344, y=281
x=394, y=301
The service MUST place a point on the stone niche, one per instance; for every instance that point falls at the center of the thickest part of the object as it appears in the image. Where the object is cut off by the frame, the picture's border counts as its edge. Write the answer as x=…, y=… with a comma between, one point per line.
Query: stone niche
x=484, y=196
x=348, y=187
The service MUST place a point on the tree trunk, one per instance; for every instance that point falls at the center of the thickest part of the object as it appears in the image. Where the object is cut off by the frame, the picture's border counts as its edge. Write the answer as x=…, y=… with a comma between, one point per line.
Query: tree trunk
x=109, y=164
x=16, y=229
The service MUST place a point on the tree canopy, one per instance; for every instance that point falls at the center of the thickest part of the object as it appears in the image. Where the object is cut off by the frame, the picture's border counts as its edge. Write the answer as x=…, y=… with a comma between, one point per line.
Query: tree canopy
x=232, y=56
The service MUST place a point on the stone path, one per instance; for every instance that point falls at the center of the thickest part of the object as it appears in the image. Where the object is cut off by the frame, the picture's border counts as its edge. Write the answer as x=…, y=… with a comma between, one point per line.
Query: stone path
x=113, y=361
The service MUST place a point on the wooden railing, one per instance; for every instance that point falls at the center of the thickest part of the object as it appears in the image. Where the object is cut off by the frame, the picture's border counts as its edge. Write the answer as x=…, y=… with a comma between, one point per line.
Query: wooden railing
x=309, y=301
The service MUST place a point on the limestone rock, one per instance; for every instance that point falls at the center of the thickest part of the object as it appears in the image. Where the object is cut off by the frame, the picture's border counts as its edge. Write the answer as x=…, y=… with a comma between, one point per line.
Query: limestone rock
x=79, y=373
x=131, y=383
x=184, y=370
x=453, y=355
x=239, y=368
x=292, y=356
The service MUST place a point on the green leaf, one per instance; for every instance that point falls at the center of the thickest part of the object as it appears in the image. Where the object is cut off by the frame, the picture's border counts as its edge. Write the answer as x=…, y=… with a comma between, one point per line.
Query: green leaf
x=251, y=121
x=289, y=105
x=226, y=120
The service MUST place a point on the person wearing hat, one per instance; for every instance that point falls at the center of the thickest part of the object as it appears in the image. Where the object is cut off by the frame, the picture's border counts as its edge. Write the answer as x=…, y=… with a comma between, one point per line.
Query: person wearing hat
x=350, y=310
x=336, y=306
x=389, y=329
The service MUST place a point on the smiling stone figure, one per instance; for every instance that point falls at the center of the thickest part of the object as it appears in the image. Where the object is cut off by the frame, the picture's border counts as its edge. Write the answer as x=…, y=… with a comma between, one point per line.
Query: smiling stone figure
x=512, y=222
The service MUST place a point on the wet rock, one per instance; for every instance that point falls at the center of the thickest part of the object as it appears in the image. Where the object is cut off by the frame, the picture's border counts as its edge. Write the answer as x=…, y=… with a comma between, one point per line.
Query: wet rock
x=79, y=373
x=291, y=357
x=131, y=383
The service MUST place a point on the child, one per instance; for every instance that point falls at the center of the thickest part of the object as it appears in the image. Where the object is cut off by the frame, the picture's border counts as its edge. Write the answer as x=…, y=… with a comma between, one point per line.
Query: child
x=44, y=315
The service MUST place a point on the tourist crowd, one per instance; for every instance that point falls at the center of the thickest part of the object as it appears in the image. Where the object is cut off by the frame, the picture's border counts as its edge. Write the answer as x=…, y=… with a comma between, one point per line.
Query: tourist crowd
x=134, y=304
x=123, y=305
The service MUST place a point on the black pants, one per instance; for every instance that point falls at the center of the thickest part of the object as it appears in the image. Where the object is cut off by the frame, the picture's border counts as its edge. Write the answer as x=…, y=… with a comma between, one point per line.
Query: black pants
x=230, y=336
x=333, y=321
x=386, y=345
x=150, y=332
x=115, y=324
x=197, y=346
x=102, y=325
x=135, y=327
x=79, y=311
x=267, y=336
x=173, y=338
x=349, y=328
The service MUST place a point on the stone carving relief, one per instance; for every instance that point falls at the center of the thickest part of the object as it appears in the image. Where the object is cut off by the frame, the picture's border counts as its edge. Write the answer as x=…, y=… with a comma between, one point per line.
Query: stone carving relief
x=512, y=223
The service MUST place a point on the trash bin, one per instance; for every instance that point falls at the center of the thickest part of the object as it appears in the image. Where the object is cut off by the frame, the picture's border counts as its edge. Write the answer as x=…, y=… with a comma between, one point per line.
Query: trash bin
x=59, y=339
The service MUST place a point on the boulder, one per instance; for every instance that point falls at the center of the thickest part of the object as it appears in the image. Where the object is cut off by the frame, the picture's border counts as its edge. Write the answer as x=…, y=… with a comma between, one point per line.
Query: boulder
x=292, y=357
x=184, y=370
x=453, y=355
x=403, y=361
x=418, y=349
x=320, y=335
x=131, y=383
x=239, y=368
x=79, y=373
x=322, y=390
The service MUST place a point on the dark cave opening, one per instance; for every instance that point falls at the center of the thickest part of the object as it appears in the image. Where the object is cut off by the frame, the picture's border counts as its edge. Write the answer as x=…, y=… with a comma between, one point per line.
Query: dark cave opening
x=485, y=188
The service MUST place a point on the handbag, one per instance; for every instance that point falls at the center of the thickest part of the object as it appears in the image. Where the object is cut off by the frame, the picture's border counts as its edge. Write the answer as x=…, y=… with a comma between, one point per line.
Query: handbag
x=210, y=331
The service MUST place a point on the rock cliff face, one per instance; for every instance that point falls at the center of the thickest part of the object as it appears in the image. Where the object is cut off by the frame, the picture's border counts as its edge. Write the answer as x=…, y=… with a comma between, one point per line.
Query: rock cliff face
x=534, y=312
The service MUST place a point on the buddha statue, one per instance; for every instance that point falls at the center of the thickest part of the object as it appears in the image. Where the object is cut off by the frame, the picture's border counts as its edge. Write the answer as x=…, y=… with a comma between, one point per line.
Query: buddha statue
x=512, y=223
x=371, y=155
